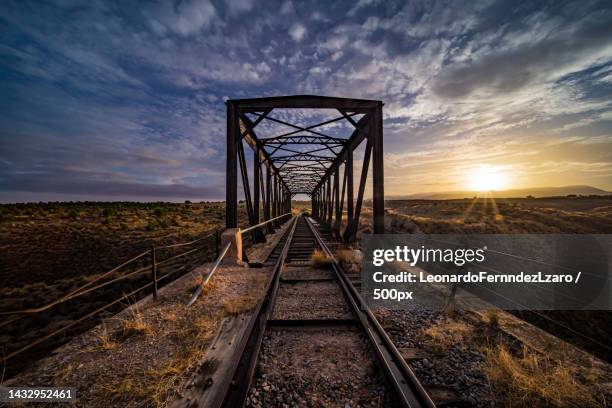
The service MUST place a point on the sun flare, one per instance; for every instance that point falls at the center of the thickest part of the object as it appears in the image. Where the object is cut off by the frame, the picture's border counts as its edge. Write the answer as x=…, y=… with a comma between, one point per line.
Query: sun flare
x=487, y=178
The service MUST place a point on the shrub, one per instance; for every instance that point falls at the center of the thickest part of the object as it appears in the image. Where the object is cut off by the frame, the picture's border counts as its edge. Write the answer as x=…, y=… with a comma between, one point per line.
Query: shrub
x=160, y=211
x=162, y=222
x=318, y=259
x=109, y=212
x=133, y=325
x=493, y=317
x=533, y=380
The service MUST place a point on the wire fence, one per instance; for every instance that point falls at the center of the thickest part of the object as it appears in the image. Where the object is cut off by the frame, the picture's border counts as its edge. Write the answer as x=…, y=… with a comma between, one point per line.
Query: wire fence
x=135, y=278
x=39, y=329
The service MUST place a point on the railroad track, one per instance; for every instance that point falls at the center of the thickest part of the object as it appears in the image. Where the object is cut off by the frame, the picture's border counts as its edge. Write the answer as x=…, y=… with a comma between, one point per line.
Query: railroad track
x=313, y=342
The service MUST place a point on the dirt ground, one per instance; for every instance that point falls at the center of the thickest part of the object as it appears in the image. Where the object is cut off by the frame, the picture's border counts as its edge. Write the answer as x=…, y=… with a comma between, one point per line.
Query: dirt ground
x=588, y=215
x=144, y=356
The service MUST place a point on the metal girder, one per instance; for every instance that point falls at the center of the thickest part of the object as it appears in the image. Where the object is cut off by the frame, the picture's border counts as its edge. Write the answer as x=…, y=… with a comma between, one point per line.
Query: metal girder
x=305, y=170
x=305, y=129
x=285, y=149
x=299, y=128
x=304, y=139
x=306, y=160
x=313, y=166
x=301, y=157
x=305, y=102
x=252, y=126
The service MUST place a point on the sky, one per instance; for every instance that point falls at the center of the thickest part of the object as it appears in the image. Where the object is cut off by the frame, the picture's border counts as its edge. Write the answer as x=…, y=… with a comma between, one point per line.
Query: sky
x=125, y=100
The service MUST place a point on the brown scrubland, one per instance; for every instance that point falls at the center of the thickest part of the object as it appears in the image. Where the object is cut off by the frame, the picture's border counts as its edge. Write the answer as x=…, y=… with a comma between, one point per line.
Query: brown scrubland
x=50, y=249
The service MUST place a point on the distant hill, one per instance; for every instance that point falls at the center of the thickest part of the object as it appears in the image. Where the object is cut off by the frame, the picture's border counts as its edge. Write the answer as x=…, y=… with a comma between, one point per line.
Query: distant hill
x=513, y=193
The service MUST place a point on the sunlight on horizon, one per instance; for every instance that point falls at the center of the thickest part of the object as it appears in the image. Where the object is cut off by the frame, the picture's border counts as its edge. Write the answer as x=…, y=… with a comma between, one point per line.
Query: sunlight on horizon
x=487, y=178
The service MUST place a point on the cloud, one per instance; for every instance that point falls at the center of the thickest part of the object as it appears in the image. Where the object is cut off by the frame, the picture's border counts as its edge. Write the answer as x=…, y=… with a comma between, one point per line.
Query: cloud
x=361, y=4
x=188, y=17
x=297, y=32
x=236, y=7
x=287, y=7
x=134, y=95
x=512, y=69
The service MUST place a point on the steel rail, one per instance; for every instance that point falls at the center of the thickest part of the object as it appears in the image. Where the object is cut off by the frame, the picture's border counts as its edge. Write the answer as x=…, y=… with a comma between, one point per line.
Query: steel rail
x=236, y=384
x=407, y=386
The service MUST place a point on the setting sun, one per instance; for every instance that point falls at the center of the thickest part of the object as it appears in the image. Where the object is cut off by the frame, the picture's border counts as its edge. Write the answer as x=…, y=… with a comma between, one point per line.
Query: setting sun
x=486, y=178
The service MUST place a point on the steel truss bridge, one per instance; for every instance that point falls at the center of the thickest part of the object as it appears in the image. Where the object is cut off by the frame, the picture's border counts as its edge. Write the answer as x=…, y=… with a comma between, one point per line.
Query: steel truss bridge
x=305, y=160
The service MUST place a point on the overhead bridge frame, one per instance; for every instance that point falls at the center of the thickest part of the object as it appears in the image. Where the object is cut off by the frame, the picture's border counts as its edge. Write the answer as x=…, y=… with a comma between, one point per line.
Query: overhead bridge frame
x=291, y=170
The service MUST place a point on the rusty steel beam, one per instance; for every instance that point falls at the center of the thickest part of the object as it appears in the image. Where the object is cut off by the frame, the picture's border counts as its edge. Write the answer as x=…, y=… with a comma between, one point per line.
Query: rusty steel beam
x=303, y=139
x=231, y=184
x=378, y=182
x=341, y=212
x=351, y=229
x=305, y=129
x=338, y=214
x=305, y=102
x=249, y=128
x=350, y=203
x=268, y=200
x=299, y=128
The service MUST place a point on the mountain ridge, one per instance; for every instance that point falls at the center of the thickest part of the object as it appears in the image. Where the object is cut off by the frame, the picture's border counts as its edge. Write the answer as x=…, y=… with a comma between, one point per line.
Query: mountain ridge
x=510, y=193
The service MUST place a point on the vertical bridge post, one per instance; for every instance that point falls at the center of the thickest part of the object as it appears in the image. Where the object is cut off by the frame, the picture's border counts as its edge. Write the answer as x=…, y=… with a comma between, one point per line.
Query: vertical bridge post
x=231, y=185
x=378, y=183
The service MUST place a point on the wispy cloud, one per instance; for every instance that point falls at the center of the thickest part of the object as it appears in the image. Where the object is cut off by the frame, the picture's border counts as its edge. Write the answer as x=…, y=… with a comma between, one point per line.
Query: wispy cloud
x=297, y=32
x=100, y=94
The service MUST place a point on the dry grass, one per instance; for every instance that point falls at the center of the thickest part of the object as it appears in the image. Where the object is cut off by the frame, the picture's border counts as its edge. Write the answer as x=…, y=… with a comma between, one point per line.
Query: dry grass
x=200, y=328
x=170, y=315
x=240, y=305
x=243, y=302
x=520, y=377
x=133, y=325
x=492, y=318
x=318, y=259
x=63, y=373
x=446, y=334
x=106, y=342
x=144, y=356
x=158, y=383
x=199, y=281
x=51, y=249
x=533, y=380
x=162, y=382
x=349, y=259
x=118, y=390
